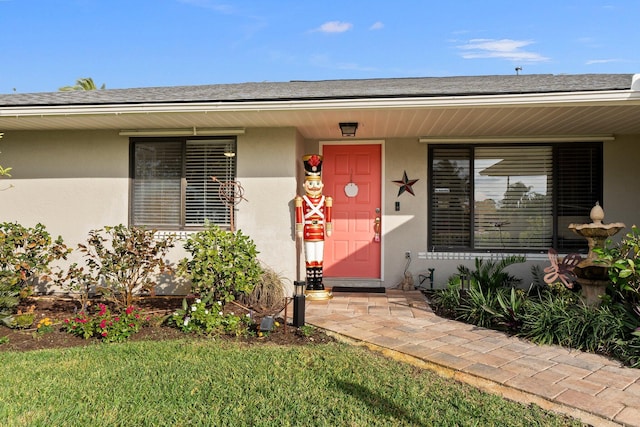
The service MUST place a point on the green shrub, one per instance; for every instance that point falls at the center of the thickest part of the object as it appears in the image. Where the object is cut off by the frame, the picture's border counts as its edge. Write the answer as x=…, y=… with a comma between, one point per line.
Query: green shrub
x=106, y=326
x=624, y=270
x=206, y=318
x=510, y=312
x=447, y=301
x=479, y=306
x=223, y=264
x=121, y=262
x=26, y=255
x=544, y=317
x=490, y=274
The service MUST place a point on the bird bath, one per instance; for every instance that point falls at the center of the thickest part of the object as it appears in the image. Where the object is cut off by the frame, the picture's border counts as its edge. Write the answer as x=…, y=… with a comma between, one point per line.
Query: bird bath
x=593, y=275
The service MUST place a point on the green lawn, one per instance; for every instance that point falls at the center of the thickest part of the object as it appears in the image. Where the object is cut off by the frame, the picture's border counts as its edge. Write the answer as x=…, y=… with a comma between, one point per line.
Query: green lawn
x=215, y=383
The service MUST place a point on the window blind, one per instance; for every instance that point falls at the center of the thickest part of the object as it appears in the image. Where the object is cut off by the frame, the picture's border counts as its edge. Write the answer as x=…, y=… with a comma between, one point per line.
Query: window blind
x=173, y=185
x=156, y=184
x=580, y=187
x=450, y=198
x=517, y=197
x=513, y=197
x=204, y=160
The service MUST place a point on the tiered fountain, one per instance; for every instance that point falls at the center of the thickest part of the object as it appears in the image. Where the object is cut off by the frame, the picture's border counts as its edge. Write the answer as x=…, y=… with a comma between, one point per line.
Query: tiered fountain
x=593, y=275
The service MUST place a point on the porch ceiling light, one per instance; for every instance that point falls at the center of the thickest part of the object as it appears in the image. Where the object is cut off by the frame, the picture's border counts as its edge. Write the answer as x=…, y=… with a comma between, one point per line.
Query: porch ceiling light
x=228, y=151
x=348, y=129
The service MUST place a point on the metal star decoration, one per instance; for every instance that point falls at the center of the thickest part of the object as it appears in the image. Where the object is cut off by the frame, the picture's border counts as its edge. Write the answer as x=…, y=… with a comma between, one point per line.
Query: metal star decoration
x=406, y=184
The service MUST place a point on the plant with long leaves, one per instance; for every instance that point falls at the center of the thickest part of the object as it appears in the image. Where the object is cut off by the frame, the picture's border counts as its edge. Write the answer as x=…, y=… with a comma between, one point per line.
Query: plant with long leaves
x=491, y=274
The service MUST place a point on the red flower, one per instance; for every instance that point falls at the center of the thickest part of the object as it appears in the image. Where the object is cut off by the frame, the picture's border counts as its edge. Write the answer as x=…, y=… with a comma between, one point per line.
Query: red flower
x=104, y=334
x=117, y=319
x=129, y=309
x=103, y=324
x=103, y=310
x=66, y=320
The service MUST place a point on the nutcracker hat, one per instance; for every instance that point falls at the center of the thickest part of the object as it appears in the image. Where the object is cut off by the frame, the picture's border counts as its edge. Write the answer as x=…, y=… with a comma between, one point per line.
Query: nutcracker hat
x=312, y=166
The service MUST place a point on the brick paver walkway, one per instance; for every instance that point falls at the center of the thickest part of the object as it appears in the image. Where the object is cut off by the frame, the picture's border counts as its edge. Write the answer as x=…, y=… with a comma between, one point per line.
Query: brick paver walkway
x=593, y=388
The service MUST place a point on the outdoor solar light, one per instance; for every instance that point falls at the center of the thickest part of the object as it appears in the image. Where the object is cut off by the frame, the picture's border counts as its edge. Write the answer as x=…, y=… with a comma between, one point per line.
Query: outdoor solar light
x=298, y=302
x=267, y=324
x=348, y=129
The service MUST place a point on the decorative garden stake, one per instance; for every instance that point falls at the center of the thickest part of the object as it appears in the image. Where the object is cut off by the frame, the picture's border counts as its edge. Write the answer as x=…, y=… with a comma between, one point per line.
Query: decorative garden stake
x=231, y=193
x=313, y=221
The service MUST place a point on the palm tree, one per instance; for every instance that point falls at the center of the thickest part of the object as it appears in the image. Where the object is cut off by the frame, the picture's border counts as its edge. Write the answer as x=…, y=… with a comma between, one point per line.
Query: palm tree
x=85, y=83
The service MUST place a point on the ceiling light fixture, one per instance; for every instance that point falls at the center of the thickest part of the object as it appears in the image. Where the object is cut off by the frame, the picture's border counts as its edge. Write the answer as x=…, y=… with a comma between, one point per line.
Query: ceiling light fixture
x=349, y=129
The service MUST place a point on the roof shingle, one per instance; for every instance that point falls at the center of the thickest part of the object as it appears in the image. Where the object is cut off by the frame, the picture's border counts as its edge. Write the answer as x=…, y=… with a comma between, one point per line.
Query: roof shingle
x=331, y=89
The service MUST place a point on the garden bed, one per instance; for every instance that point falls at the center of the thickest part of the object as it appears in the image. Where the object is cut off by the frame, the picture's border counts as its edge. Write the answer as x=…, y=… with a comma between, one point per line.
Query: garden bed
x=157, y=308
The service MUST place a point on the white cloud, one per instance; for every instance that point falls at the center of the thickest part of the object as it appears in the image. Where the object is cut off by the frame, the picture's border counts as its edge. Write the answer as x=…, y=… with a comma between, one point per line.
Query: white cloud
x=601, y=61
x=507, y=49
x=209, y=4
x=334, y=27
x=377, y=26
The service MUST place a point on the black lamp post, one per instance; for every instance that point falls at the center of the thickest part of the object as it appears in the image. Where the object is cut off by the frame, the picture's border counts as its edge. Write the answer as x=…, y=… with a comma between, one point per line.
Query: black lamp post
x=298, y=302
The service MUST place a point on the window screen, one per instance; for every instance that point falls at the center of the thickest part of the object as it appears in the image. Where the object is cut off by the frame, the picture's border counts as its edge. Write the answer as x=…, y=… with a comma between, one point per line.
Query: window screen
x=172, y=182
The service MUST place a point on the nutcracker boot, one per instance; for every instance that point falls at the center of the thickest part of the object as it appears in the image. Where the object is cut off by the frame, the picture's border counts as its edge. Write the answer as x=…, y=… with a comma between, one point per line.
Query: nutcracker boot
x=318, y=283
x=310, y=278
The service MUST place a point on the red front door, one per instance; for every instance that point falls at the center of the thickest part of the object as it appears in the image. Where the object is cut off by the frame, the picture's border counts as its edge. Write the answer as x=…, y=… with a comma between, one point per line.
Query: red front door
x=352, y=176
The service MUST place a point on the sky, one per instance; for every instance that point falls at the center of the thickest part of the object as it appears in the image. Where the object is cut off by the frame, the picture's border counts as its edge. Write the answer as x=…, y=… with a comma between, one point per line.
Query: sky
x=47, y=44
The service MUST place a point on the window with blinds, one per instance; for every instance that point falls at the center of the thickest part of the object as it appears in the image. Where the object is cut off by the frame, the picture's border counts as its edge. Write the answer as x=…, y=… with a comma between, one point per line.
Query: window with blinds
x=516, y=198
x=450, y=198
x=580, y=186
x=512, y=197
x=172, y=184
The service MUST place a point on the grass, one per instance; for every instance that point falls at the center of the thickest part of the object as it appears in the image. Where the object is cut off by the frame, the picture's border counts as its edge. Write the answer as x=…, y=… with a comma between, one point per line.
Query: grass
x=193, y=383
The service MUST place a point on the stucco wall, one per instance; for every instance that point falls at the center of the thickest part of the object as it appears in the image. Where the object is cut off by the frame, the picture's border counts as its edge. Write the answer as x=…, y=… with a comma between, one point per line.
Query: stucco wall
x=406, y=229
x=267, y=170
x=621, y=180
x=70, y=181
x=76, y=181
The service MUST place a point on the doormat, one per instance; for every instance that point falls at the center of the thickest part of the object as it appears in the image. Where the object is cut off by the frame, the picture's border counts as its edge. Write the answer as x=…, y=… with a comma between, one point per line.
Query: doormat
x=360, y=289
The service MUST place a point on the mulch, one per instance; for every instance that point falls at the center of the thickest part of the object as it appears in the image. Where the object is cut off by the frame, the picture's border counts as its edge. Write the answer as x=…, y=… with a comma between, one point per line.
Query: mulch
x=58, y=309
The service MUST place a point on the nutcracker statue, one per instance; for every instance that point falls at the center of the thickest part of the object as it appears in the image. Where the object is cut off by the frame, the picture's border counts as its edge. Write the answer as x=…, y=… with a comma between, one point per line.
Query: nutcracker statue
x=313, y=221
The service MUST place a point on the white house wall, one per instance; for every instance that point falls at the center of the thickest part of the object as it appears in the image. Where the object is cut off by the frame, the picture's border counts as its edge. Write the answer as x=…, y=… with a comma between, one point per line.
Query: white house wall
x=76, y=181
x=406, y=229
x=622, y=181
x=69, y=181
x=267, y=171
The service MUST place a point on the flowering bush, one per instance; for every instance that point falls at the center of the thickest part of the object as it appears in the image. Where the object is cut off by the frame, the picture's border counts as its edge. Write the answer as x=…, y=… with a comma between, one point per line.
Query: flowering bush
x=205, y=319
x=44, y=326
x=105, y=325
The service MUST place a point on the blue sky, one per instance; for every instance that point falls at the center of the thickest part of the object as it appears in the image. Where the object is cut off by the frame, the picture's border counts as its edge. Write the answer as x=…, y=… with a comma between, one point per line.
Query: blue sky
x=47, y=44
